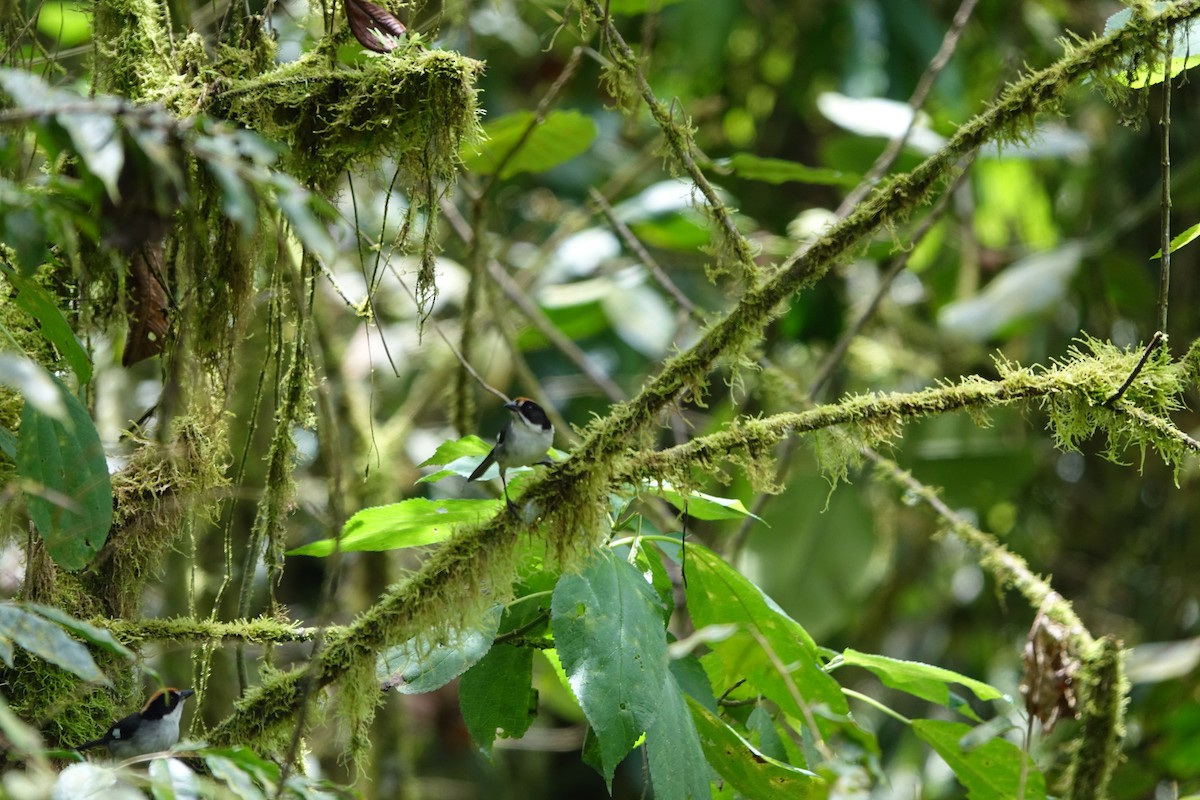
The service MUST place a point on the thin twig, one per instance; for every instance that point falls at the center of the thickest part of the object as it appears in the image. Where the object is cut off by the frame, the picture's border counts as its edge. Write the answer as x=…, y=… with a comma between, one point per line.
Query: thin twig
x=888, y=157
x=1157, y=339
x=1164, y=268
x=643, y=255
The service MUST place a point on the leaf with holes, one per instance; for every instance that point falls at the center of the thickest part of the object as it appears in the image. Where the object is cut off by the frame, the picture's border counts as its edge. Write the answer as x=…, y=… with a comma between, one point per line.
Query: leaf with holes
x=608, y=630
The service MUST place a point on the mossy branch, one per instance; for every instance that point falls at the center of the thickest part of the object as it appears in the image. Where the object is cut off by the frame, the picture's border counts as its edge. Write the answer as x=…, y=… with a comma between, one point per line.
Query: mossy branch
x=262, y=630
x=1071, y=391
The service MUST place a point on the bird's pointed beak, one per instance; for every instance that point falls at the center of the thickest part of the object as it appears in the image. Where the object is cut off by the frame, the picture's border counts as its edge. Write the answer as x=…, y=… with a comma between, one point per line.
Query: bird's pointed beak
x=184, y=694
x=511, y=406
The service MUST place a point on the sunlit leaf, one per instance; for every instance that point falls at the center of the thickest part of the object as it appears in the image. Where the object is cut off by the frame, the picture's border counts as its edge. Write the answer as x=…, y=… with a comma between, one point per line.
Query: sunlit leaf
x=719, y=595
x=410, y=523
x=698, y=504
x=558, y=138
x=923, y=680
x=66, y=23
x=1185, y=238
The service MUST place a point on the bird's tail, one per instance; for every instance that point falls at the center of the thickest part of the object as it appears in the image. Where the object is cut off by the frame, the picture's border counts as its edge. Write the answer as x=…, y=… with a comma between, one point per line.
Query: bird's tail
x=482, y=468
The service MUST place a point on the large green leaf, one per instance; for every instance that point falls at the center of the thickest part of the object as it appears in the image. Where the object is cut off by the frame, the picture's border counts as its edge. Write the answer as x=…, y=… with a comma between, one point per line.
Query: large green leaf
x=678, y=768
x=559, y=137
x=609, y=633
x=923, y=680
x=751, y=772
x=69, y=495
x=991, y=771
x=410, y=523
x=48, y=642
x=497, y=696
x=718, y=595
x=418, y=665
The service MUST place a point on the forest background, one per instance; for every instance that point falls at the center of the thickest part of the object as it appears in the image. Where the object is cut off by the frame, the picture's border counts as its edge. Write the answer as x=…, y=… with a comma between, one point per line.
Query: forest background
x=259, y=282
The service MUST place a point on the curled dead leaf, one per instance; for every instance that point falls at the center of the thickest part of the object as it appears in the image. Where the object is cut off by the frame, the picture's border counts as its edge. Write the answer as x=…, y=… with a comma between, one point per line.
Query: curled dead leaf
x=368, y=20
x=1051, y=664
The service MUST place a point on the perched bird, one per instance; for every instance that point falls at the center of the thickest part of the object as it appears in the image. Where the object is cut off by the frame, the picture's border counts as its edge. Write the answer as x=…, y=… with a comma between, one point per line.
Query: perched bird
x=522, y=441
x=153, y=729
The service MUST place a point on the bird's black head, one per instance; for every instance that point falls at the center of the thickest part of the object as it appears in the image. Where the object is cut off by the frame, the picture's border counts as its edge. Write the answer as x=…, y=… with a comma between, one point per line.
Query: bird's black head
x=533, y=413
x=164, y=701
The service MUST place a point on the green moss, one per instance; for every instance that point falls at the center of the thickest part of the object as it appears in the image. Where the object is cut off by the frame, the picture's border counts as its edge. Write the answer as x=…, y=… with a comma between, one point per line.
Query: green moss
x=132, y=48
x=415, y=107
x=1103, y=691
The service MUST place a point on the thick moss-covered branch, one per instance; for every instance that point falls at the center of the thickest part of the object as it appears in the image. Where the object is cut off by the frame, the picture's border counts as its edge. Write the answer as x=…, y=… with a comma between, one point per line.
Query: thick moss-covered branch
x=1073, y=393
x=262, y=630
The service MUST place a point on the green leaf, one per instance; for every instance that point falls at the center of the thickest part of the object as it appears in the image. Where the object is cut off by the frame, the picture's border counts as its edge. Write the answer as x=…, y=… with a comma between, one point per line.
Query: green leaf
x=989, y=772
x=237, y=764
x=560, y=136
x=459, y=457
x=497, y=696
x=71, y=498
x=419, y=666
x=449, y=451
x=678, y=768
x=778, y=170
x=8, y=442
x=48, y=642
x=54, y=326
x=922, y=680
x=748, y=770
x=409, y=523
x=637, y=6
x=66, y=23
x=698, y=504
x=764, y=735
x=608, y=631
x=84, y=630
x=718, y=595
x=229, y=772
x=1185, y=238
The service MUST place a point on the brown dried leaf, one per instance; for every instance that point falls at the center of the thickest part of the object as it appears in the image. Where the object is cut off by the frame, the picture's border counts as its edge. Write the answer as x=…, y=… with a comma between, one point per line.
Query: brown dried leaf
x=1048, y=682
x=367, y=20
x=148, y=305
